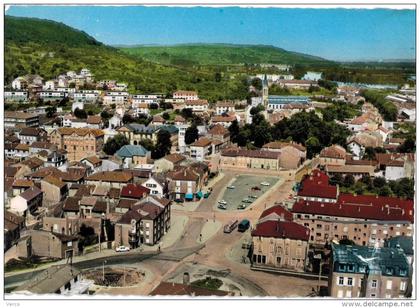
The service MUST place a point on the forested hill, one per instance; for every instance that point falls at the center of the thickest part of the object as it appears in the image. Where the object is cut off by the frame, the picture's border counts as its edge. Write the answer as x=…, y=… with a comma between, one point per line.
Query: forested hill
x=220, y=54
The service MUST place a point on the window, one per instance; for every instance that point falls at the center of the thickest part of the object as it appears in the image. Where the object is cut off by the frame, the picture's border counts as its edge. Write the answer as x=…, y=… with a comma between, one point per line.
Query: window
x=389, y=284
x=350, y=281
x=403, y=285
x=348, y=293
x=403, y=272
x=340, y=293
x=350, y=268
x=374, y=283
x=373, y=295
x=341, y=267
x=340, y=281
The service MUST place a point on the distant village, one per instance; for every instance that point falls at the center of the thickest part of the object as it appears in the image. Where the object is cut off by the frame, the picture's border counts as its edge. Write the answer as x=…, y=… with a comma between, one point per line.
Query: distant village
x=64, y=194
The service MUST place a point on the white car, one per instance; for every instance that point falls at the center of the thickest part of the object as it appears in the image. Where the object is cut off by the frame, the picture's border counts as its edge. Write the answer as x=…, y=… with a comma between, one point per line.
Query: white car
x=122, y=249
x=231, y=187
x=222, y=202
x=265, y=184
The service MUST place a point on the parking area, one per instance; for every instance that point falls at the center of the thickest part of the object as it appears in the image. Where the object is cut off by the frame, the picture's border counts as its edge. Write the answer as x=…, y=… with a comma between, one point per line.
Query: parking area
x=246, y=187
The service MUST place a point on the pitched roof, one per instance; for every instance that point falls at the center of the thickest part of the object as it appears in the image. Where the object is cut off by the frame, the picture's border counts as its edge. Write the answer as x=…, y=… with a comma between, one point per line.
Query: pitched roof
x=95, y=160
x=281, y=229
x=111, y=176
x=317, y=185
x=179, y=118
x=31, y=131
x=126, y=203
x=92, y=119
x=334, y=151
x=132, y=150
x=80, y=131
x=22, y=147
x=174, y=158
x=281, y=144
x=219, y=130
x=183, y=174
x=201, y=142
x=31, y=193
x=22, y=183
x=361, y=207
x=54, y=181
x=88, y=200
x=135, y=191
x=279, y=210
x=71, y=204
x=237, y=152
x=356, y=169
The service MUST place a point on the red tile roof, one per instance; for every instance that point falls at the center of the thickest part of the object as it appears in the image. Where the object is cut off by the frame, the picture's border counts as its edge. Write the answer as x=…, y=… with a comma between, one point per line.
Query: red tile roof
x=134, y=191
x=279, y=210
x=316, y=185
x=361, y=207
x=281, y=229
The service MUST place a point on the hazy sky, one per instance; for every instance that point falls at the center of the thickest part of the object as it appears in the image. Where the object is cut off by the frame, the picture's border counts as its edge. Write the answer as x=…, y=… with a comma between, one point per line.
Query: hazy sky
x=336, y=34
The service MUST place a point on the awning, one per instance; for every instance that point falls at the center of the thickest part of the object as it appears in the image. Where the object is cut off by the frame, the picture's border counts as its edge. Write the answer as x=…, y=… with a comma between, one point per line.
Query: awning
x=199, y=194
x=189, y=196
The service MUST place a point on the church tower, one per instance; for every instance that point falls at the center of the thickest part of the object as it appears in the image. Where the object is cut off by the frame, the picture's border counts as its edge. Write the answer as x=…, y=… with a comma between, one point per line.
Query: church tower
x=265, y=92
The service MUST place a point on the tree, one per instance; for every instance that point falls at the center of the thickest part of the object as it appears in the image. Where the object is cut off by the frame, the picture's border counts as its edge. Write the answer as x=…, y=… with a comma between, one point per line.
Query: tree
x=261, y=134
x=385, y=191
x=153, y=106
x=369, y=153
x=348, y=180
x=105, y=115
x=50, y=111
x=127, y=119
x=256, y=83
x=234, y=130
x=191, y=134
x=80, y=113
x=187, y=113
x=165, y=115
x=312, y=146
x=409, y=146
x=163, y=144
x=147, y=144
x=336, y=179
x=379, y=182
x=217, y=77
x=112, y=145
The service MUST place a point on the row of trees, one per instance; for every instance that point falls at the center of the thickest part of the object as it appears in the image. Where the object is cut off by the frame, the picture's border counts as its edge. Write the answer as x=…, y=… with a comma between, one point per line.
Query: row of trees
x=402, y=188
x=387, y=109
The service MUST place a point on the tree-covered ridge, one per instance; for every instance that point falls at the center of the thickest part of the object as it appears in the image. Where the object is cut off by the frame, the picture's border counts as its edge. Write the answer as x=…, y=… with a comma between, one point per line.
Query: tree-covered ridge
x=22, y=30
x=220, y=54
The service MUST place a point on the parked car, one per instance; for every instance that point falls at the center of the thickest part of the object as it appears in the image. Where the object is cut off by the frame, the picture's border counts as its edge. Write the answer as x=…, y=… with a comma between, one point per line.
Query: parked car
x=122, y=249
x=222, y=206
x=241, y=207
x=230, y=187
x=222, y=202
x=244, y=225
x=265, y=184
x=230, y=226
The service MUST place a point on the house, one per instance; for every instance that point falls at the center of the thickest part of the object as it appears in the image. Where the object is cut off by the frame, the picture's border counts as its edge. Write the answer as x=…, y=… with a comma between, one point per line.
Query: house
x=16, y=96
x=137, y=132
x=20, y=119
x=93, y=162
x=115, y=121
x=396, y=166
x=113, y=179
x=134, y=191
x=179, y=120
x=219, y=132
x=27, y=202
x=112, y=97
x=368, y=272
x=19, y=83
x=249, y=159
x=333, y=155
x=54, y=189
x=48, y=244
x=292, y=154
x=20, y=185
x=158, y=120
x=225, y=120
x=158, y=186
x=94, y=121
x=152, y=216
x=78, y=142
x=225, y=107
x=316, y=187
x=186, y=95
x=198, y=105
x=89, y=96
x=133, y=155
x=13, y=225
x=184, y=183
x=57, y=279
x=29, y=135
x=201, y=148
x=279, y=242
x=21, y=151
x=168, y=162
x=357, y=144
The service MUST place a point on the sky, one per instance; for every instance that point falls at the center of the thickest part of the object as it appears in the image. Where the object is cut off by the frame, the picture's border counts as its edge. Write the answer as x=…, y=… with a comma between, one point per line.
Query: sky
x=334, y=34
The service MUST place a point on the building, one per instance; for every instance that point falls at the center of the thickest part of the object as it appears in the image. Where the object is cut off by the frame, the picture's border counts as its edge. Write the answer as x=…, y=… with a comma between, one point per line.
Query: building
x=368, y=272
x=54, y=189
x=145, y=223
x=13, y=225
x=364, y=219
x=29, y=135
x=279, y=242
x=115, y=98
x=78, y=142
x=16, y=96
x=185, y=183
x=158, y=186
x=197, y=106
x=27, y=203
x=297, y=84
x=334, y=155
x=292, y=154
x=276, y=102
x=168, y=162
x=186, y=95
x=20, y=119
x=225, y=107
x=201, y=148
x=137, y=132
x=133, y=155
x=57, y=279
x=249, y=159
x=357, y=171
x=113, y=179
x=313, y=76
